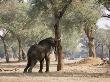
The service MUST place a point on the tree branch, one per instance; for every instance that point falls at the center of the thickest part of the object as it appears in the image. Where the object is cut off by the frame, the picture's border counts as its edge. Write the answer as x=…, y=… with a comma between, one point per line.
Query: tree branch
x=59, y=14
x=64, y=8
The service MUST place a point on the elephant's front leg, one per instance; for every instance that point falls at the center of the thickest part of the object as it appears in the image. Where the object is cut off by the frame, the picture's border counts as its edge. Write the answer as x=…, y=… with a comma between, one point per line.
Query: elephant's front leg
x=47, y=58
x=41, y=65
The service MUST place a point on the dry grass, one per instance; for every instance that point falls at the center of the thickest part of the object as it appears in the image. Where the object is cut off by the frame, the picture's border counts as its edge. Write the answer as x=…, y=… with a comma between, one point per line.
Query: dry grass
x=89, y=61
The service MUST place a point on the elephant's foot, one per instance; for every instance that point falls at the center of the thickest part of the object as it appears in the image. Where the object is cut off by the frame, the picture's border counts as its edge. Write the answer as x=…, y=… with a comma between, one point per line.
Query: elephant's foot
x=29, y=71
x=25, y=71
x=47, y=71
x=40, y=71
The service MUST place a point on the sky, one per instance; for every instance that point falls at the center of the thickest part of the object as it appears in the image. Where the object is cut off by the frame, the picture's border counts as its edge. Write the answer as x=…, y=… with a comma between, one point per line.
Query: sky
x=103, y=22
x=1, y=32
x=25, y=0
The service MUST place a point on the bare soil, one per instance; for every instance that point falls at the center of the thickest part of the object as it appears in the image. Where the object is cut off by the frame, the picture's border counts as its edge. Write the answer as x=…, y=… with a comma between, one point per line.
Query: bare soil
x=84, y=70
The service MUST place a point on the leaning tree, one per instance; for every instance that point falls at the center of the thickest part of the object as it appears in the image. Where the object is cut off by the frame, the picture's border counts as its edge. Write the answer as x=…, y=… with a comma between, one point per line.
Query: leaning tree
x=86, y=15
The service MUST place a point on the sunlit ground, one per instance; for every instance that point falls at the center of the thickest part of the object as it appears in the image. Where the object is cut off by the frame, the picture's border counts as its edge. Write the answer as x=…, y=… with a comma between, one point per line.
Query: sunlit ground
x=84, y=71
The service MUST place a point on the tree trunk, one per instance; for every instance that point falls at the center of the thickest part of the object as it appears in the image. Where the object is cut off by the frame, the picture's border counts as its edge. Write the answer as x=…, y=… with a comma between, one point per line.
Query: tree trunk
x=19, y=44
x=5, y=49
x=6, y=52
x=92, y=52
x=90, y=36
x=58, y=46
x=23, y=55
x=60, y=57
x=19, y=52
x=109, y=54
x=14, y=52
x=58, y=14
x=102, y=53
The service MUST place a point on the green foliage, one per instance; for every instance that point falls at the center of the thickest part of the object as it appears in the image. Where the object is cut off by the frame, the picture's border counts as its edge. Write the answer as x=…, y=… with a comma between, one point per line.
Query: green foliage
x=34, y=21
x=70, y=40
x=102, y=37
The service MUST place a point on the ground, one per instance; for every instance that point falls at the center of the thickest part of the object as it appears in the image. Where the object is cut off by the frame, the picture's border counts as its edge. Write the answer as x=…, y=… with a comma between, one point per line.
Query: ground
x=73, y=71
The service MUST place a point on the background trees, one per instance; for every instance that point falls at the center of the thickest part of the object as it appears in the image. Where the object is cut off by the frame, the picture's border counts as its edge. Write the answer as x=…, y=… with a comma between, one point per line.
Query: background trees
x=28, y=23
x=102, y=42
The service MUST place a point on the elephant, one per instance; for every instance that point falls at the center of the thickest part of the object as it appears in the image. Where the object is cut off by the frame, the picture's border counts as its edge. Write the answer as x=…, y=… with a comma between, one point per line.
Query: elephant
x=39, y=52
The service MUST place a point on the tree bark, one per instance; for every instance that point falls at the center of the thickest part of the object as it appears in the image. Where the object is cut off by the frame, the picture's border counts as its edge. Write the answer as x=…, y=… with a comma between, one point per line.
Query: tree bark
x=23, y=55
x=109, y=54
x=5, y=49
x=57, y=17
x=19, y=44
x=92, y=52
x=90, y=36
x=19, y=52
x=6, y=52
x=14, y=52
x=58, y=46
x=102, y=53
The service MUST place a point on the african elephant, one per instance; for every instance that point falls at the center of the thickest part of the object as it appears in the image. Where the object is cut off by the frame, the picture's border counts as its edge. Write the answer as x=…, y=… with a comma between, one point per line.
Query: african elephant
x=39, y=52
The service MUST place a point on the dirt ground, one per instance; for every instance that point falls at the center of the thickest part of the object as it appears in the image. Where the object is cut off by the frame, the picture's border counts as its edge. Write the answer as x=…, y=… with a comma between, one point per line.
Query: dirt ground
x=72, y=72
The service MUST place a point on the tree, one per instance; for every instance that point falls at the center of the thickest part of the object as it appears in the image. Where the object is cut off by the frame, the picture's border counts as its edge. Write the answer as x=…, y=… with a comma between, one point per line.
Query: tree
x=5, y=47
x=13, y=19
x=90, y=35
x=86, y=14
x=106, y=3
x=58, y=13
x=100, y=40
x=80, y=14
x=67, y=17
x=107, y=42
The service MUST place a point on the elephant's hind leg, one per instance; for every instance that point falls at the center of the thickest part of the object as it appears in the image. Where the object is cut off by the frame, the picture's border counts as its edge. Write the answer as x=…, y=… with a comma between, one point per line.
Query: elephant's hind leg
x=33, y=63
x=28, y=65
